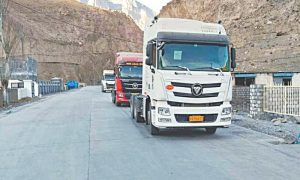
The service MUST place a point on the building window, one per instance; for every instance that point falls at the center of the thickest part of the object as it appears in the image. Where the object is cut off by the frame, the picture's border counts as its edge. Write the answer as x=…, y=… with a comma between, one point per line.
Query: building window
x=287, y=82
x=283, y=79
x=14, y=85
x=244, y=81
x=21, y=85
x=17, y=85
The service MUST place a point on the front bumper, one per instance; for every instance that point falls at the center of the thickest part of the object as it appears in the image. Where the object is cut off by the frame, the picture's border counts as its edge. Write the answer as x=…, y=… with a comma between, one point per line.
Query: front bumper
x=123, y=99
x=108, y=89
x=213, y=116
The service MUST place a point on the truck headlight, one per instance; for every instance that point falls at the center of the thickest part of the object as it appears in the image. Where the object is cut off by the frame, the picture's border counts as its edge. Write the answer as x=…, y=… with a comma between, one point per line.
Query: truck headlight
x=226, y=111
x=120, y=94
x=164, y=111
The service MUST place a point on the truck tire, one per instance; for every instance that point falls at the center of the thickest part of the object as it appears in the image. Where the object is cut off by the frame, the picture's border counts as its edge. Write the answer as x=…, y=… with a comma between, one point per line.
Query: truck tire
x=138, y=117
x=153, y=130
x=117, y=103
x=132, y=108
x=113, y=100
x=211, y=130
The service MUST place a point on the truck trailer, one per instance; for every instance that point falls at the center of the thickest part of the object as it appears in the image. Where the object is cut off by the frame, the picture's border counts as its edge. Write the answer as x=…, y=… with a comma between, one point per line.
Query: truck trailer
x=187, y=80
x=128, y=76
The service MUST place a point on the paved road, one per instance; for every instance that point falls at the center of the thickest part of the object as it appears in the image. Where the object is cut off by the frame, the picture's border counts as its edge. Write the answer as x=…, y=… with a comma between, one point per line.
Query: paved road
x=81, y=135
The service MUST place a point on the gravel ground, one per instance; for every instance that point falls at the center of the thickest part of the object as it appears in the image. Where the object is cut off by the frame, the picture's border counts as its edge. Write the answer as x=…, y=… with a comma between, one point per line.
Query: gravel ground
x=20, y=103
x=287, y=131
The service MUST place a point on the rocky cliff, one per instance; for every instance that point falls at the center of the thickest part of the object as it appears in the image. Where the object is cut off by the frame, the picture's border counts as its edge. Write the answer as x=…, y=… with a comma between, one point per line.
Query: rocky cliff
x=265, y=32
x=73, y=40
x=140, y=13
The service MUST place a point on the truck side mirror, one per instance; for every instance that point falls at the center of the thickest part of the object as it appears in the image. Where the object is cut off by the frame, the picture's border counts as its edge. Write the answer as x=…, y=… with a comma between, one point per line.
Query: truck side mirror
x=149, y=51
x=233, y=58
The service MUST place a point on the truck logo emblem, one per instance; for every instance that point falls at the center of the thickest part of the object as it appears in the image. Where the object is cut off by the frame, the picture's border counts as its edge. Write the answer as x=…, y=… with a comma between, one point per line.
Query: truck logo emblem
x=135, y=85
x=197, y=89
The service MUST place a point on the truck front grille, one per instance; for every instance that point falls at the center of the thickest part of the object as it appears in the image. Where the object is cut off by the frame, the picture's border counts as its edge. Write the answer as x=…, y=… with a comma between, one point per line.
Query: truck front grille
x=132, y=86
x=190, y=85
x=110, y=86
x=184, y=118
x=179, y=104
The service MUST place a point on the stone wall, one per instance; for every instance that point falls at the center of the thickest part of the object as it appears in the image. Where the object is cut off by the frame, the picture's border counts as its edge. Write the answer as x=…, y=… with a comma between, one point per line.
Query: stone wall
x=241, y=99
x=13, y=95
x=256, y=100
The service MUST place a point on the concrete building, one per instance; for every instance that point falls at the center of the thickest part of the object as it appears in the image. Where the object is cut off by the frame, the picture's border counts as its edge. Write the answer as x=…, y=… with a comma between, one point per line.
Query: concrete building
x=267, y=78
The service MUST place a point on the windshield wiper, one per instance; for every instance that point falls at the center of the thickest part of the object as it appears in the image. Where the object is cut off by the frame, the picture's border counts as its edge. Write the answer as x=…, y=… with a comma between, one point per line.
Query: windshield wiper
x=213, y=68
x=181, y=67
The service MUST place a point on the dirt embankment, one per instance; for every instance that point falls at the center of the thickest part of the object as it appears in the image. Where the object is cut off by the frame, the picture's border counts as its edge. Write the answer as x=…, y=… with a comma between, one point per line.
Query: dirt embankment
x=72, y=40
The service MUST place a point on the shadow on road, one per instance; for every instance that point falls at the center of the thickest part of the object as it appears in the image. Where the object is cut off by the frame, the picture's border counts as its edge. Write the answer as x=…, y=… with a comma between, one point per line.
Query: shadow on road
x=191, y=133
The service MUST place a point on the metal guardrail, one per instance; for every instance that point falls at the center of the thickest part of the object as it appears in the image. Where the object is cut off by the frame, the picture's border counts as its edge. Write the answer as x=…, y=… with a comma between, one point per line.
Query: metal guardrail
x=48, y=87
x=282, y=100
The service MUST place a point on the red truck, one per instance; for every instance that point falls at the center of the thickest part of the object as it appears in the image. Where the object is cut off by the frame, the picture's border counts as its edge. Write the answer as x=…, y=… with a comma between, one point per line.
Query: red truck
x=128, y=70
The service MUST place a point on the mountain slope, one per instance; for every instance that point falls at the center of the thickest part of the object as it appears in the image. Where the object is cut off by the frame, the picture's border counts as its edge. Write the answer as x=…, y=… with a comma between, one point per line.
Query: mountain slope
x=266, y=32
x=72, y=40
x=140, y=13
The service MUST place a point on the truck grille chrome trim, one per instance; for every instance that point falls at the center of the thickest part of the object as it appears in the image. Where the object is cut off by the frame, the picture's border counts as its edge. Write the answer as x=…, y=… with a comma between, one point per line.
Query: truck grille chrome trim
x=189, y=85
x=188, y=95
x=180, y=104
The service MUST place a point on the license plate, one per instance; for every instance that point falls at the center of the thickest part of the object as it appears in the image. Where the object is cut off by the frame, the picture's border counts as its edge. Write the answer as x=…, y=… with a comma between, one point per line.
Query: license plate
x=196, y=118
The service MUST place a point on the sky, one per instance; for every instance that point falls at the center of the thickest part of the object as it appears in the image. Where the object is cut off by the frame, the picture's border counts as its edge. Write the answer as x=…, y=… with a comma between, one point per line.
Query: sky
x=156, y=5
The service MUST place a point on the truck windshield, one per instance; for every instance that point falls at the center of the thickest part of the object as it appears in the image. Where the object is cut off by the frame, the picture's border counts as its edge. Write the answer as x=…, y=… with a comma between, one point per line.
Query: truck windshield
x=195, y=57
x=131, y=71
x=109, y=77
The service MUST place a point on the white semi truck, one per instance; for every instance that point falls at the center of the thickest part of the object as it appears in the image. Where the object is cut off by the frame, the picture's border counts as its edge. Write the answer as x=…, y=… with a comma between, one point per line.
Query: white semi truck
x=108, y=81
x=187, y=80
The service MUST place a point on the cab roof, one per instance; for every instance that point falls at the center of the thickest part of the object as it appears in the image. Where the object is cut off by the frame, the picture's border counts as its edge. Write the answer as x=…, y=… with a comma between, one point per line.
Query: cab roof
x=124, y=57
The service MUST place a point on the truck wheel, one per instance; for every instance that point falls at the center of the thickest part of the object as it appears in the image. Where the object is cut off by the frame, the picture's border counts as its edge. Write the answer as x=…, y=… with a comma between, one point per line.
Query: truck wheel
x=117, y=103
x=113, y=97
x=211, y=130
x=154, y=130
x=132, y=112
x=138, y=117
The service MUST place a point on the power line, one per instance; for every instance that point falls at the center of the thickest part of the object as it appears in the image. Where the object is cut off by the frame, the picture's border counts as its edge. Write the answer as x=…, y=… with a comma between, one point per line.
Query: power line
x=65, y=22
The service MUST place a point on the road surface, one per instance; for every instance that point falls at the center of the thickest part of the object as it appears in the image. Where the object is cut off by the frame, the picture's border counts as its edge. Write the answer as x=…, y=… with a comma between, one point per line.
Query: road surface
x=82, y=135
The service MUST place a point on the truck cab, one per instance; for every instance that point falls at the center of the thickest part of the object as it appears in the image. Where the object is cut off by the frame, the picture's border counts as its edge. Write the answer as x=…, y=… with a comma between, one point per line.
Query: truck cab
x=187, y=79
x=128, y=77
x=108, y=81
